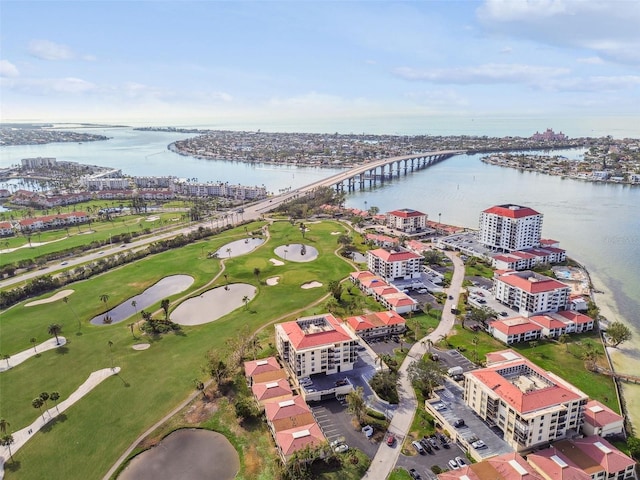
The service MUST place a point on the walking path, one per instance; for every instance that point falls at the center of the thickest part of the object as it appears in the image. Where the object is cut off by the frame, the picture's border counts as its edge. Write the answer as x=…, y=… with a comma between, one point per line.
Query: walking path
x=22, y=436
x=385, y=459
x=20, y=357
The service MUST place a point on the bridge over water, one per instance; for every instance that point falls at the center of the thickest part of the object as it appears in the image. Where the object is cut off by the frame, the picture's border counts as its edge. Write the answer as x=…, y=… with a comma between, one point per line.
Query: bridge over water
x=365, y=176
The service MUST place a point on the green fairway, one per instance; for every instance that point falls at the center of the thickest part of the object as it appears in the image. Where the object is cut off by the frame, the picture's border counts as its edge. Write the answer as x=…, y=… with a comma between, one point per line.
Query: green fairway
x=90, y=436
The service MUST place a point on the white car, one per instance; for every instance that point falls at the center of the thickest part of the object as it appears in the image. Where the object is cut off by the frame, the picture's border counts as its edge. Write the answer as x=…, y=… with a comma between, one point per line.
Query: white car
x=460, y=462
x=341, y=448
x=478, y=445
x=310, y=390
x=453, y=465
x=440, y=406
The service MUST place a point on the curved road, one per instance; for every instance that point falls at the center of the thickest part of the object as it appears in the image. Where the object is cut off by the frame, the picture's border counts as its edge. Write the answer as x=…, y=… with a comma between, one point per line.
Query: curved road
x=385, y=459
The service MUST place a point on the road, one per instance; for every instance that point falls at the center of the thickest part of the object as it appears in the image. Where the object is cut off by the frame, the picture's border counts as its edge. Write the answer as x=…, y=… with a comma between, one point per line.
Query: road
x=385, y=459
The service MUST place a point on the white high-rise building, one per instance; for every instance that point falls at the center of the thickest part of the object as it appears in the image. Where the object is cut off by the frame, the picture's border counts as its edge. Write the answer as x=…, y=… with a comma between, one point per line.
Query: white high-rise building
x=510, y=227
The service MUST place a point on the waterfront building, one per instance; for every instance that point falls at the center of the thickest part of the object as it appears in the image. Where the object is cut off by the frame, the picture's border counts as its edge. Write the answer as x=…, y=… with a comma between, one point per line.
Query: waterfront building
x=548, y=136
x=38, y=162
x=509, y=227
x=154, y=182
x=601, y=420
x=530, y=293
x=218, y=189
x=593, y=456
x=551, y=325
x=508, y=466
x=397, y=264
x=318, y=344
x=407, y=220
x=377, y=324
x=527, y=259
x=530, y=406
x=383, y=241
x=515, y=330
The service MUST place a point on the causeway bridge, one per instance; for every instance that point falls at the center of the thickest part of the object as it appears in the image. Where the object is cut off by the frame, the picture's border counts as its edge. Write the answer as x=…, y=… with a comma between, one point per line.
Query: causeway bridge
x=365, y=176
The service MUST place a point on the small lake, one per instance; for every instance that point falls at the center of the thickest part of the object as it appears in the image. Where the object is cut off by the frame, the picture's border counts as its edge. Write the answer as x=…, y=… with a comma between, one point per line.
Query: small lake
x=164, y=288
x=186, y=454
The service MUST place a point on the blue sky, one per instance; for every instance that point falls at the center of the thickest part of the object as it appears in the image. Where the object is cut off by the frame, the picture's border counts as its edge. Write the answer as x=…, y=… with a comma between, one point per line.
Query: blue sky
x=180, y=62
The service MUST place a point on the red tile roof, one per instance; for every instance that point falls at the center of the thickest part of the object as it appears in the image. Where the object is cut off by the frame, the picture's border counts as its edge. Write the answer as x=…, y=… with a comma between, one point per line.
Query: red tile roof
x=515, y=326
x=537, y=286
x=388, y=256
x=599, y=415
x=271, y=390
x=301, y=340
x=374, y=320
x=517, y=212
x=606, y=455
x=256, y=367
x=576, y=317
x=294, y=439
x=286, y=407
x=554, y=467
x=548, y=322
x=406, y=213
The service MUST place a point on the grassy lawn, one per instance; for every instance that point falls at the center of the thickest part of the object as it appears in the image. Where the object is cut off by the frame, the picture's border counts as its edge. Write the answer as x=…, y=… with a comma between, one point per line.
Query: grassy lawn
x=105, y=422
x=477, y=269
x=399, y=474
x=563, y=360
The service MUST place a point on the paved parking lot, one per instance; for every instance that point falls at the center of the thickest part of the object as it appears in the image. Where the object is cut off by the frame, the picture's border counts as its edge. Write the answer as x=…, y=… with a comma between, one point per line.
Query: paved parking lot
x=423, y=463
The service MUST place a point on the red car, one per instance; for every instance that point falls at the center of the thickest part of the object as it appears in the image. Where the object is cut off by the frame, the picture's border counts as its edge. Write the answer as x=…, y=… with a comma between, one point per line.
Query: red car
x=391, y=440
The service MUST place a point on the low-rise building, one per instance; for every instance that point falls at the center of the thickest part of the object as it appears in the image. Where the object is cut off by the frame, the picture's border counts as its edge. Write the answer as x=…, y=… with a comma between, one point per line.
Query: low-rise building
x=529, y=405
x=515, y=330
x=316, y=344
x=601, y=420
x=593, y=455
x=508, y=466
x=271, y=391
x=377, y=324
x=298, y=438
x=263, y=370
x=288, y=413
x=6, y=229
x=407, y=220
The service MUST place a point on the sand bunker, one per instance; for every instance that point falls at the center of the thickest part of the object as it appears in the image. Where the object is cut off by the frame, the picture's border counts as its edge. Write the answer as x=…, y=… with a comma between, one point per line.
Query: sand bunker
x=239, y=247
x=213, y=304
x=140, y=346
x=297, y=252
x=52, y=298
x=277, y=263
x=336, y=233
x=307, y=286
x=152, y=218
x=272, y=281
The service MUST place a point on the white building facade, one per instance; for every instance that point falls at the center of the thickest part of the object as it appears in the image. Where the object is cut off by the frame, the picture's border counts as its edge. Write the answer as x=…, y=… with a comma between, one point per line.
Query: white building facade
x=407, y=220
x=510, y=227
x=394, y=264
x=530, y=293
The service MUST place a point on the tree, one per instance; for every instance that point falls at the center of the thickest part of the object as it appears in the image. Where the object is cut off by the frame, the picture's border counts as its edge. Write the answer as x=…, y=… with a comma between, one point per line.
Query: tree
x=134, y=304
x=200, y=387
x=256, y=272
x=37, y=403
x=66, y=302
x=164, y=304
x=55, y=396
x=44, y=396
x=356, y=404
x=426, y=375
x=55, y=329
x=617, y=333
x=3, y=425
x=6, y=358
x=131, y=325
x=216, y=367
x=384, y=383
x=481, y=315
x=104, y=298
x=228, y=250
x=335, y=288
x=564, y=339
x=33, y=340
x=7, y=441
x=245, y=300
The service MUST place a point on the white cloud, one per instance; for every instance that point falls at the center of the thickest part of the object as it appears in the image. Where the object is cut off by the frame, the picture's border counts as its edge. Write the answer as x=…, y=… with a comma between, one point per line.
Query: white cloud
x=595, y=84
x=483, y=74
x=591, y=60
x=610, y=29
x=8, y=69
x=438, y=98
x=47, y=50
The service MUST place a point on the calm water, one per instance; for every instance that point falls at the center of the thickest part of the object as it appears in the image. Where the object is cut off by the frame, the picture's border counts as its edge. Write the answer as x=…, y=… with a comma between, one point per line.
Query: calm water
x=598, y=224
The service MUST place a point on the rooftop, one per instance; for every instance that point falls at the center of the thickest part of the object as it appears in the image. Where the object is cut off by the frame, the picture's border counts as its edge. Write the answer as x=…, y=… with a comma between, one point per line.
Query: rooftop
x=511, y=211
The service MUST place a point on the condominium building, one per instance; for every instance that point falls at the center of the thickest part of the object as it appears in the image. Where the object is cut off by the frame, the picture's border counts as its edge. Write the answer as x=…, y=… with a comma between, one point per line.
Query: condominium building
x=529, y=405
x=510, y=227
x=407, y=220
x=398, y=264
x=530, y=293
x=508, y=466
x=316, y=344
x=377, y=324
x=601, y=420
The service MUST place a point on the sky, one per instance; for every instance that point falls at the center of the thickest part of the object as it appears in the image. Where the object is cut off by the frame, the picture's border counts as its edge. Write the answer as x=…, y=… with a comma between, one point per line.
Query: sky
x=263, y=62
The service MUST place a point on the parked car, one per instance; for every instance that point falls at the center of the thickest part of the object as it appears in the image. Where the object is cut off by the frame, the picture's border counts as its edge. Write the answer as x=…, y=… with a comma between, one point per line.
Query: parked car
x=418, y=446
x=343, y=447
x=504, y=314
x=391, y=440
x=414, y=474
x=433, y=443
x=461, y=463
x=342, y=382
x=459, y=423
x=479, y=445
x=335, y=443
x=368, y=431
x=453, y=465
x=440, y=406
x=310, y=390
x=426, y=445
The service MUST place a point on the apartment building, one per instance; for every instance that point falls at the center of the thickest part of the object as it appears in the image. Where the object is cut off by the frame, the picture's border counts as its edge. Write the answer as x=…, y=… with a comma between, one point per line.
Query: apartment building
x=407, y=220
x=601, y=420
x=397, y=264
x=529, y=405
x=508, y=466
x=530, y=293
x=316, y=344
x=509, y=227
x=377, y=324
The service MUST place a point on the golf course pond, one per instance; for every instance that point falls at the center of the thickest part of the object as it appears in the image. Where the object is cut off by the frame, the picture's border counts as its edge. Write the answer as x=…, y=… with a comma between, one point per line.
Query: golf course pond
x=297, y=252
x=239, y=247
x=164, y=288
x=186, y=454
x=213, y=304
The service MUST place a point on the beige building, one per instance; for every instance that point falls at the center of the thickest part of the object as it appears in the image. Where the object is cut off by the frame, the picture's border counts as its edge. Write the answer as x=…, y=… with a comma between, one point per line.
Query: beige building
x=510, y=227
x=397, y=264
x=530, y=293
x=529, y=405
x=407, y=220
x=316, y=344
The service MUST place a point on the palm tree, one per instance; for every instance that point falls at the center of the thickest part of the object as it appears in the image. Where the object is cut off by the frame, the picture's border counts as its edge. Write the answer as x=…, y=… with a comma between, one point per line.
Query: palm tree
x=33, y=340
x=7, y=441
x=37, y=403
x=44, y=396
x=200, y=386
x=6, y=357
x=110, y=343
x=256, y=272
x=131, y=325
x=55, y=396
x=134, y=304
x=564, y=338
x=164, y=304
x=3, y=425
x=228, y=250
x=245, y=300
x=356, y=404
x=55, y=329
x=104, y=298
x=66, y=302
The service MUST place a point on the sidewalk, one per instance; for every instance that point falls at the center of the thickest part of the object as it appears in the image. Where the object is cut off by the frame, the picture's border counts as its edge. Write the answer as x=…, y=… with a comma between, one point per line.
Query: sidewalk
x=385, y=459
x=23, y=356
